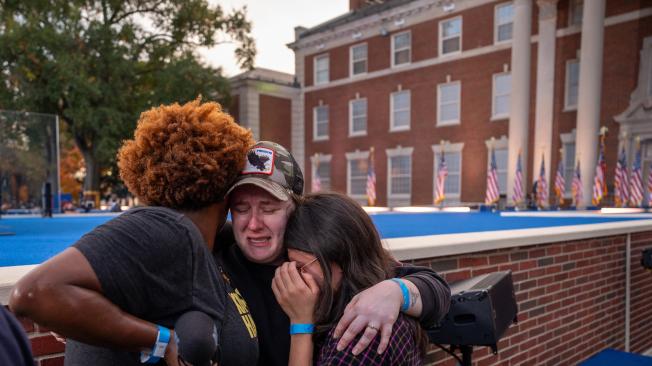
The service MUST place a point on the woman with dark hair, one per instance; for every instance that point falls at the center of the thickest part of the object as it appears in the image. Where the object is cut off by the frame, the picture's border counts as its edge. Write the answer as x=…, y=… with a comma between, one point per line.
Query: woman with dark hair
x=118, y=291
x=335, y=252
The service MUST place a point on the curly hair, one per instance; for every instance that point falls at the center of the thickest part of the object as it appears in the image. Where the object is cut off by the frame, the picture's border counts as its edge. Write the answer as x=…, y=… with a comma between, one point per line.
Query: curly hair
x=183, y=157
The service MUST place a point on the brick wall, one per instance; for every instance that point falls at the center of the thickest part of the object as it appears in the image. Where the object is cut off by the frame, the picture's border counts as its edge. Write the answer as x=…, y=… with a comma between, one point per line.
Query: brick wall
x=571, y=302
x=571, y=299
x=46, y=349
x=275, y=119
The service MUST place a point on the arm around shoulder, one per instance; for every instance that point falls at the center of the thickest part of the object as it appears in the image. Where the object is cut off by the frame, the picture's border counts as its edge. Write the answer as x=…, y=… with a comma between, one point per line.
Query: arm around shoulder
x=65, y=295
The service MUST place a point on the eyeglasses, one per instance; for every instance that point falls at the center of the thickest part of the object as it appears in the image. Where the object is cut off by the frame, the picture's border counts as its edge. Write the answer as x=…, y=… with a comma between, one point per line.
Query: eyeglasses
x=301, y=269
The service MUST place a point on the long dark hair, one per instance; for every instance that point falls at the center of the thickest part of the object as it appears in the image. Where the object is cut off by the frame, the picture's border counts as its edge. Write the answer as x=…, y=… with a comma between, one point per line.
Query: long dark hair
x=335, y=229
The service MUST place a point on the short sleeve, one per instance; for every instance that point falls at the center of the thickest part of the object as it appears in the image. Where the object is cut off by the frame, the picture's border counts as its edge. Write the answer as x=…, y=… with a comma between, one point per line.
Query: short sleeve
x=143, y=260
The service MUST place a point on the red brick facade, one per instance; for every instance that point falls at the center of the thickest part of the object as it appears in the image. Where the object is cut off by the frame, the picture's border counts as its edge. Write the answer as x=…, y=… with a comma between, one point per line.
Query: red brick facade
x=622, y=43
x=275, y=119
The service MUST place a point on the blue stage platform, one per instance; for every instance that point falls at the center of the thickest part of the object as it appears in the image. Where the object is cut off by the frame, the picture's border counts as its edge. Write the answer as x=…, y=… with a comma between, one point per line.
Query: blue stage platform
x=612, y=357
x=37, y=239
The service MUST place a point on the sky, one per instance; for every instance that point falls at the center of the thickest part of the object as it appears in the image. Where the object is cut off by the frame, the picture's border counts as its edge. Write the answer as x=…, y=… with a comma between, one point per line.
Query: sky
x=273, y=28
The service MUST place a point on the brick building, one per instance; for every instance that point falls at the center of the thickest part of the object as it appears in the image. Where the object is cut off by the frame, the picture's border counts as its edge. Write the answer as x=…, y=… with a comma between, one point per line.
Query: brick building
x=414, y=78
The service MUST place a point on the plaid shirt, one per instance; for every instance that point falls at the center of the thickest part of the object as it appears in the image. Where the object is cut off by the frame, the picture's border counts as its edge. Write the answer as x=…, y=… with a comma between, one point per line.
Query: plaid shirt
x=402, y=349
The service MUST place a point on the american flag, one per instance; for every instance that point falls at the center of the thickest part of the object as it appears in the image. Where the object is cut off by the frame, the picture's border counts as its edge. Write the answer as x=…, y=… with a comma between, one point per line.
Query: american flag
x=576, y=186
x=542, y=186
x=442, y=173
x=517, y=197
x=649, y=187
x=316, y=181
x=621, y=184
x=636, y=181
x=493, y=193
x=371, y=180
x=599, y=184
x=560, y=183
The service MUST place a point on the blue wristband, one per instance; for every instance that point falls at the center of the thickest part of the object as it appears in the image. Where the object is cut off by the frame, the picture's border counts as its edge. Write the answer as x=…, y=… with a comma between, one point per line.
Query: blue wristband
x=406, y=294
x=301, y=328
x=158, y=351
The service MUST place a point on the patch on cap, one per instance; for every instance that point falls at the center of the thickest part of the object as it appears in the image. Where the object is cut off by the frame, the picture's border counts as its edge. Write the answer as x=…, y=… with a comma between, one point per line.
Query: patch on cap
x=260, y=160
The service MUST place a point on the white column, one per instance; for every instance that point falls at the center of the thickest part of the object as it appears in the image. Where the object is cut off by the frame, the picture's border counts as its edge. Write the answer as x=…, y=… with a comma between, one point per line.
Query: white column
x=545, y=86
x=520, y=94
x=589, y=95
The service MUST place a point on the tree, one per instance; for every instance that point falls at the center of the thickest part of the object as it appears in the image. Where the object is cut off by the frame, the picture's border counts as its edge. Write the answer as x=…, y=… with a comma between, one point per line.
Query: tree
x=98, y=63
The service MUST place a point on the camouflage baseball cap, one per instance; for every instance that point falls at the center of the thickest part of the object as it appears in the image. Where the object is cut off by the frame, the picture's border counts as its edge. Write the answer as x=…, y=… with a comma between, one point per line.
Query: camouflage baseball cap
x=271, y=167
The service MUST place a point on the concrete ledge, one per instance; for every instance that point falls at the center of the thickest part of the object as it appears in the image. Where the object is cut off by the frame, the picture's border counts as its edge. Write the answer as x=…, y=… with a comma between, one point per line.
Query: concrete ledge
x=8, y=277
x=420, y=247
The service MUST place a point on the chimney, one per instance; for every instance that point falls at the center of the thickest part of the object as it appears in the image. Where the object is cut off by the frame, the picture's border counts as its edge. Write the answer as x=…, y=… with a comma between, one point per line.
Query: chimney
x=357, y=4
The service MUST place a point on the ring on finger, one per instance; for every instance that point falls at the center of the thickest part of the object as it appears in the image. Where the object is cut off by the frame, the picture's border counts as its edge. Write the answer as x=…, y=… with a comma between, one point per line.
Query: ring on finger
x=372, y=327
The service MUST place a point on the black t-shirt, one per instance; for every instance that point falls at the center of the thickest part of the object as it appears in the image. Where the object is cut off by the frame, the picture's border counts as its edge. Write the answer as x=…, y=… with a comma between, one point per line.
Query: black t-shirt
x=255, y=282
x=153, y=263
x=14, y=346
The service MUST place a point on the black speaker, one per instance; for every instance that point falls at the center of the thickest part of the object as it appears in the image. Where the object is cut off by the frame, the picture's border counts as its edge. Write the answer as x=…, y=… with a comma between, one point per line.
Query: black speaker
x=482, y=308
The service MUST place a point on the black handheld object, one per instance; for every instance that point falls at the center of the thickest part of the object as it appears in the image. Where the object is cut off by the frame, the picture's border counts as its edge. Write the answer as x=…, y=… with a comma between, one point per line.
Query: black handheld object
x=196, y=337
x=646, y=259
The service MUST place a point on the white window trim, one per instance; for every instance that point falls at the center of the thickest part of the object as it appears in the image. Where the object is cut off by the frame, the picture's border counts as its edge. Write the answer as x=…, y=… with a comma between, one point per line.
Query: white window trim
x=442, y=39
x=393, y=128
x=494, y=116
x=498, y=144
x=572, y=8
x=568, y=108
x=314, y=124
x=568, y=138
x=318, y=158
x=351, y=60
x=409, y=48
x=314, y=69
x=392, y=153
x=441, y=123
x=355, y=155
x=452, y=148
x=366, y=115
x=496, y=41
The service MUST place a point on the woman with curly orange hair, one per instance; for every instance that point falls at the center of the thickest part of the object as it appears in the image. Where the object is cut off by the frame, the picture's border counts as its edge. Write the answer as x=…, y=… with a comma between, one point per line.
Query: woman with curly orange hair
x=154, y=262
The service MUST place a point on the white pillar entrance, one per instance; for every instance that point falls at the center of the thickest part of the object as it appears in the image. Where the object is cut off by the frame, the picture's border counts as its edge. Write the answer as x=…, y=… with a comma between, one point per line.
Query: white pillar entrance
x=545, y=86
x=520, y=94
x=589, y=95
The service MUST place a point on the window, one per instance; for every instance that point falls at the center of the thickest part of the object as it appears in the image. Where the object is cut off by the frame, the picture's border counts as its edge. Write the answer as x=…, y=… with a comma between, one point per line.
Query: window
x=399, y=105
x=576, y=8
x=569, y=166
x=572, y=84
x=356, y=183
x=450, y=36
x=503, y=22
x=321, y=172
x=501, y=168
x=358, y=117
x=358, y=59
x=399, y=172
x=453, y=158
x=649, y=81
x=448, y=104
x=320, y=125
x=321, y=69
x=502, y=87
x=568, y=157
x=401, y=48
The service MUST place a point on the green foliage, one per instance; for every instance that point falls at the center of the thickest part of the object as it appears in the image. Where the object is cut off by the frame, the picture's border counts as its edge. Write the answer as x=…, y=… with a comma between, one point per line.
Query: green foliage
x=99, y=63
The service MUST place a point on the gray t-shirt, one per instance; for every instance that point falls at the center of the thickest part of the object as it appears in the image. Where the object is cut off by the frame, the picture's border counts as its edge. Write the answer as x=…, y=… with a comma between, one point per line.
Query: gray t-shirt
x=152, y=262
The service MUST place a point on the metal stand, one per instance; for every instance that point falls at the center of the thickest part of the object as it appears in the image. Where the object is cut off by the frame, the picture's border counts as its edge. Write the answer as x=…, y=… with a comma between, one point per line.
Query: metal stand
x=467, y=351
